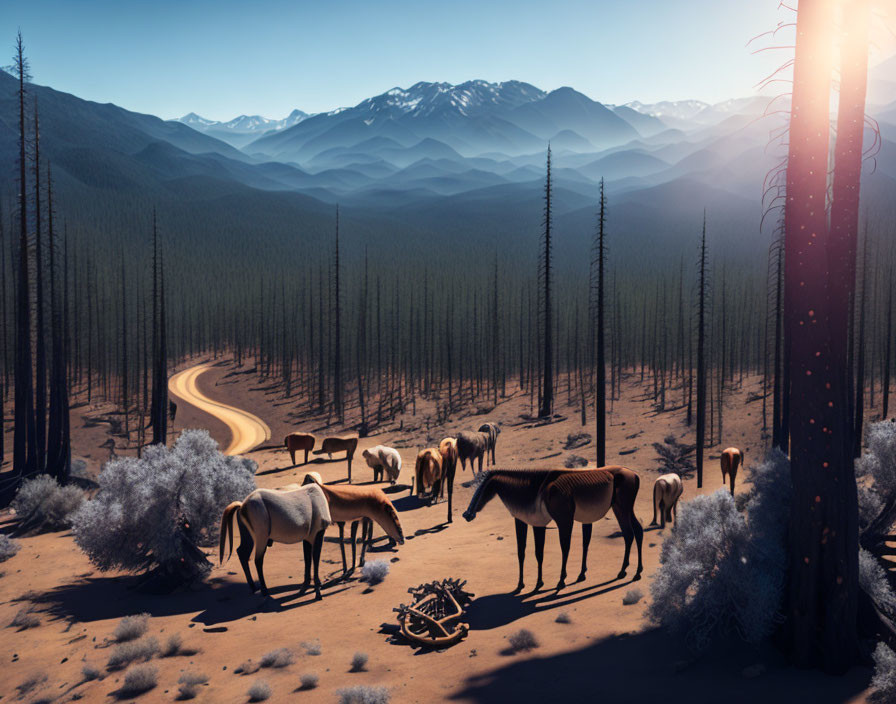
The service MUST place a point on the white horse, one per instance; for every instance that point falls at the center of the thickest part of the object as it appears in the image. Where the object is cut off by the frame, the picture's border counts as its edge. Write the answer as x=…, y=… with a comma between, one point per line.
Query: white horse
x=266, y=516
x=382, y=458
x=666, y=492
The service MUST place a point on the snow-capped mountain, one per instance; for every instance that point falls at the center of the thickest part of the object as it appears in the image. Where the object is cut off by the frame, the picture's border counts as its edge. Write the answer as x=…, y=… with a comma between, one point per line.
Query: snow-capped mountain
x=243, y=129
x=665, y=109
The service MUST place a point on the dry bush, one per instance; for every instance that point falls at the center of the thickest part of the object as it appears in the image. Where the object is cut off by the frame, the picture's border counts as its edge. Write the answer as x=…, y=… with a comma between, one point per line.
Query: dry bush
x=154, y=514
x=363, y=694
x=282, y=657
x=359, y=661
x=173, y=645
x=575, y=440
x=247, y=668
x=34, y=681
x=91, y=672
x=309, y=680
x=522, y=640
x=884, y=681
x=574, y=461
x=8, y=547
x=563, y=617
x=25, y=619
x=259, y=691
x=675, y=456
x=632, y=596
x=132, y=651
x=41, y=504
x=189, y=684
x=137, y=680
x=312, y=647
x=131, y=628
x=375, y=571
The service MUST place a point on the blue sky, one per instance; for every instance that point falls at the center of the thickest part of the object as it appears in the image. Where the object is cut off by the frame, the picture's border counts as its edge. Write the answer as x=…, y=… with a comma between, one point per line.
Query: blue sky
x=222, y=58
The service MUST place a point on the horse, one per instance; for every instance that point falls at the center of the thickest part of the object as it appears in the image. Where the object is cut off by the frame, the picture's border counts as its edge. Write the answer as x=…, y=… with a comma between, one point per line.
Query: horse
x=266, y=516
x=492, y=430
x=448, y=451
x=428, y=473
x=731, y=459
x=351, y=504
x=472, y=446
x=299, y=441
x=382, y=458
x=537, y=497
x=667, y=490
x=347, y=444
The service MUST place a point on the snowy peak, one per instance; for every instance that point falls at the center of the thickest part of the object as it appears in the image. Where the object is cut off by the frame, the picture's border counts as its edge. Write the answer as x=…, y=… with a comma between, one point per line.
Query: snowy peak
x=243, y=124
x=675, y=109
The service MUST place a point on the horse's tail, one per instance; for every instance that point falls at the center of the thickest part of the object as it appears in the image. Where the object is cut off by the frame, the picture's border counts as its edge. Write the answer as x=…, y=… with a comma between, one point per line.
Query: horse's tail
x=227, y=527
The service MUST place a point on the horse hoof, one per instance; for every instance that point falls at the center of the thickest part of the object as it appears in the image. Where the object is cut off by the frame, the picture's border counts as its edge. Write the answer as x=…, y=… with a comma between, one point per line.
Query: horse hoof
x=581, y=578
x=621, y=574
x=561, y=584
x=538, y=585
x=519, y=588
x=637, y=577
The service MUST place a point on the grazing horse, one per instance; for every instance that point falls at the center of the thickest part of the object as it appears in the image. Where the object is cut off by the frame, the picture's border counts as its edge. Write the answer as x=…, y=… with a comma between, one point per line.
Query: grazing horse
x=731, y=459
x=428, y=473
x=448, y=451
x=492, y=430
x=666, y=492
x=266, y=516
x=382, y=458
x=351, y=504
x=537, y=497
x=299, y=441
x=347, y=444
x=472, y=446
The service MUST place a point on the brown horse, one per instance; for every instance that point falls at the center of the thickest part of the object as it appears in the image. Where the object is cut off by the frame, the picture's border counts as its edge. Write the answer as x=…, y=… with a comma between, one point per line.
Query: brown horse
x=492, y=430
x=299, y=441
x=448, y=451
x=731, y=459
x=347, y=444
x=428, y=473
x=537, y=497
x=472, y=446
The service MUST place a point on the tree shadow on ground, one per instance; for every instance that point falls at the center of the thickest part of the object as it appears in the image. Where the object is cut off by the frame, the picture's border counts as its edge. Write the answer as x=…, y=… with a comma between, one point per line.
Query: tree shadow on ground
x=650, y=666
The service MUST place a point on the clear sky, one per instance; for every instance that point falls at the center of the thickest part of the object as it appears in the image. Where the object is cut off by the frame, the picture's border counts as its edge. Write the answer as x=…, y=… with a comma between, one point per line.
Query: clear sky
x=221, y=58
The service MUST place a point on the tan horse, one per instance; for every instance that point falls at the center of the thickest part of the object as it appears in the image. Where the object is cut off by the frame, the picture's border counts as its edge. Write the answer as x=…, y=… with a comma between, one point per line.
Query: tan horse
x=266, y=516
x=299, y=441
x=666, y=492
x=448, y=451
x=537, y=497
x=383, y=459
x=731, y=459
x=428, y=473
x=347, y=444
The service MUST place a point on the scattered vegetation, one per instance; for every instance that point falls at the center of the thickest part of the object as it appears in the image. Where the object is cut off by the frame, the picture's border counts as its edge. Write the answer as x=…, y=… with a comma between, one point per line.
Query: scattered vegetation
x=309, y=680
x=675, y=456
x=189, y=683
x=259, y=691
x=884, y=680
x=131, y=628
x=576, y=440
x=282, y=657
x=563, y=617
x=43, y=505
x=359, y=662
x=132, y=651
x=91, y=672
x=247, y=668
x=574, y=461
x=137, y=680
x=34, y=681
x=632, y=596
x=522, y=640
x=312, y=647
x=153, y=514
x=374, y=571
x=363, y=694
x=8, y=547
x=25, y=619
x=173, y=645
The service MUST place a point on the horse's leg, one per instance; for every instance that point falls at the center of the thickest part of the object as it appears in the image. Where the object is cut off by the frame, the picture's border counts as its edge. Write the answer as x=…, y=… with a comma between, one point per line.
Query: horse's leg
x=348, y=458
x=655, y=502
x=521, y=530
x=564, y=530
x=538, y=533
x=436, y=491
x=586, y=541
x=366, y=537
x=623, y=517
x=306, y=456
x=244, y=551
x=306, y=550
x=731, y=476
x=662, y=513
x=353, y=539
x=450, y=482
x=341, y=525
x=260, y=549
x=292, y=456
x=639, y=539
x=318, y=544
x=480, y=463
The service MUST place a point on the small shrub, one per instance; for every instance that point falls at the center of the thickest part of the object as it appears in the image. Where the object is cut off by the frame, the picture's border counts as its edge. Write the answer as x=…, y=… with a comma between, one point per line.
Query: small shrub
x=139, y=679
x=247, y=668
x=375, y=571
x=575, y=440
x=133, y=651
x=675, y=456
x=173, y=645
x=632, y=596
x=259, y=691
x=131, y=628
x=25, y=619
x=563, y=617
x=189, y=684
x=884, y=680
x=359, y=661
x=90, y=673
x=309, y=680
x=155, y=513
x=873, y=581
x=522, y=640
x=574, y=461
x=363, y=694
x=35, y=681
x=282, y=657
x=312, y=647
x=8, y=547
x=42, y=504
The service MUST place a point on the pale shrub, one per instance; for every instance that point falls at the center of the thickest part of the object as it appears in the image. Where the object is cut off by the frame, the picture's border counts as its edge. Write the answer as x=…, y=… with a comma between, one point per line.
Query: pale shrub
x=41, y=504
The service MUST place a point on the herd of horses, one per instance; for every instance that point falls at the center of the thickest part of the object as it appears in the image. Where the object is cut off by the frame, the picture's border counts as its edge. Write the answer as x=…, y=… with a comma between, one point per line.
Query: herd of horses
x=302, y=513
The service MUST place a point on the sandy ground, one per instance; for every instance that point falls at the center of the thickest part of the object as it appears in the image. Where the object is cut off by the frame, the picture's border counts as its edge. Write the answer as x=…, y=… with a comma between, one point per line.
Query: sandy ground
x=605, y=652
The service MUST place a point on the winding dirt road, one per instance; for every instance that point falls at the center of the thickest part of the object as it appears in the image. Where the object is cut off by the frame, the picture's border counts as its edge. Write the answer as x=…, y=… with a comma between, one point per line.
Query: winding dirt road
x=246, y=431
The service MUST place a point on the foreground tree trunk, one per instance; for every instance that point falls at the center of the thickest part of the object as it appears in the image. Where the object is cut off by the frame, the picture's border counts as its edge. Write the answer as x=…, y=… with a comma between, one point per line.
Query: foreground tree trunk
x=823, y=592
